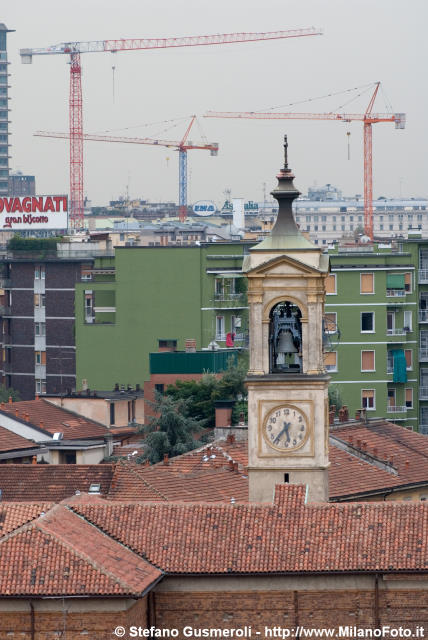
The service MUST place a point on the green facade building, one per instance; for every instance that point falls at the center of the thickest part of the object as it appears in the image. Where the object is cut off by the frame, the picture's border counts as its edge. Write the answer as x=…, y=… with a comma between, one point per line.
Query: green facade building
x=376, y=318
x=146, y=297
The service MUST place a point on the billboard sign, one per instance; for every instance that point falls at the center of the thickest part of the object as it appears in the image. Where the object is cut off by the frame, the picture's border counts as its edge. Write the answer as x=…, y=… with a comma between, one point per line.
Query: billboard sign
x=204, y=208
x=33, y=212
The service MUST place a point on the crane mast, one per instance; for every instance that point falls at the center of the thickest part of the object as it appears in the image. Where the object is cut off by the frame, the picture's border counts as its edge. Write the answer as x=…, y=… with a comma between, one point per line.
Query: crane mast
x=74, y=49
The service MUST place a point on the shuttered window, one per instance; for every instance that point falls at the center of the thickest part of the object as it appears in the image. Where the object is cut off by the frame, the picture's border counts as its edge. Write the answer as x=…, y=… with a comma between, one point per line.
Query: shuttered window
x=408, y=355
x=330, y=322
x=330, y=283
x=330, y=361
x=408, y=281
x=367, y=283
x=367, y=360
x=409, y=398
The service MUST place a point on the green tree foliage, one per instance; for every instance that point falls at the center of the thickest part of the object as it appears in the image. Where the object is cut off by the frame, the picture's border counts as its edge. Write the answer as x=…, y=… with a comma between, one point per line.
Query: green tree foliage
x=201, y=395
x=171, y=431
x=8, y=392
x=334, y=397
x=18, y=243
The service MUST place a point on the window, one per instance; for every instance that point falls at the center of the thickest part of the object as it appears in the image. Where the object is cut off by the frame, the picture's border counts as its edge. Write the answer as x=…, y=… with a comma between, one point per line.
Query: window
x=167, y=344
x=315, y=227
x=408, y=353
x=368, y=399
x=39, y=300
x=40, y=386
x=330, y=284
x=39, y=272
x=408, y=321
x=367, y=360
x=40, y=328
x=160, y=388
x=367, y=322
x=219, y=331
x=330, y=322
x=408, y=282
x=112, y=413
x=219, y=286
x=40, y=357
x=366, y=283
x=330, y=361
x=391, y=397
x=409, y=398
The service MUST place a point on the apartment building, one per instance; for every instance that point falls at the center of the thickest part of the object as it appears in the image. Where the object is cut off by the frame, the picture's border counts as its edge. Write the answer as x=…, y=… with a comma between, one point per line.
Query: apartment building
x=149, y=297
x=37, y=319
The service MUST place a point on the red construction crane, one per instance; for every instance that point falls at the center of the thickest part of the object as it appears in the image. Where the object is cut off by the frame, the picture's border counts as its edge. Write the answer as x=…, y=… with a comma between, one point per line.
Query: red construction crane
x=182, y=147
x=74, y=49
x=368, y=118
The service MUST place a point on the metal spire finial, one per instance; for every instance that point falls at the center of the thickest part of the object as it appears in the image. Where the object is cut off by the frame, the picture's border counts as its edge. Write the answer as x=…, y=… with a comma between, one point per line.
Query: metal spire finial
x=285, y=152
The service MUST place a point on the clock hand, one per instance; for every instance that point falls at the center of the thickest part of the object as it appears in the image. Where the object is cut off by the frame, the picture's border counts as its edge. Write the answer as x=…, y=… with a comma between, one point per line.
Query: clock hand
x=284, y=430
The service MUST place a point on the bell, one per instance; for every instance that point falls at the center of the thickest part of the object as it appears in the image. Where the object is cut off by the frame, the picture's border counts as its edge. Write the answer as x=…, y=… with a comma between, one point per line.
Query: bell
x=285, y=343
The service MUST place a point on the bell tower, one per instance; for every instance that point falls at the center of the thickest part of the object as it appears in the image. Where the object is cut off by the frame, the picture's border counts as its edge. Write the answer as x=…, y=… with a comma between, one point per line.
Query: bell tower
x=287, y=382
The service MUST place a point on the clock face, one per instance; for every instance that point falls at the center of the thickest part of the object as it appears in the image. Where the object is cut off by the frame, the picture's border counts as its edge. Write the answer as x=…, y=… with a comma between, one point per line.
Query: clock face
x=285, y=428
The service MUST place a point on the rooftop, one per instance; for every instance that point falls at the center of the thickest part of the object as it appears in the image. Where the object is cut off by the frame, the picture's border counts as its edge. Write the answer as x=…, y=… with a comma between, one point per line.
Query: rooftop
x=48, y=419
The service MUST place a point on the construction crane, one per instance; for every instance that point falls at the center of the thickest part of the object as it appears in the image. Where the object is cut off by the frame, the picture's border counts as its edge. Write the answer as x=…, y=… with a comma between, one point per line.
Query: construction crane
x=368, y=118
x=182, y=147
x=74, y=49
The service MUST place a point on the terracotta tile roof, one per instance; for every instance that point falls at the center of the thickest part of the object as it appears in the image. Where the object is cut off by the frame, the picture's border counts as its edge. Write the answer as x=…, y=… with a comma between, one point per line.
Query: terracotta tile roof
x=14, y=515
x=53, y=419
x=61, y=554
x=203, y=474
x=53, y=482
x=10, y=441
x=404, y=451
x=286, y=537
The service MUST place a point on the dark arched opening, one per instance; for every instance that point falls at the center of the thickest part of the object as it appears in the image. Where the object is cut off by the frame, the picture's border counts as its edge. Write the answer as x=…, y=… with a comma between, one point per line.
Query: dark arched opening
x=285, y=338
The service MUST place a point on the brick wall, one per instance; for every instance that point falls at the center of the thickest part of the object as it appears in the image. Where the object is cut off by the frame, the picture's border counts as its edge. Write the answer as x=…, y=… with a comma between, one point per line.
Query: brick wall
x=312, y=609
x=51, y=625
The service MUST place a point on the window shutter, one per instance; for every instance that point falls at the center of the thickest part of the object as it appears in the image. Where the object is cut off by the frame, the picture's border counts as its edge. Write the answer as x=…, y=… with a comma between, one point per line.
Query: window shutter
x=330, y=283
x=367, y=283
x=395, y=281
x=367, y=360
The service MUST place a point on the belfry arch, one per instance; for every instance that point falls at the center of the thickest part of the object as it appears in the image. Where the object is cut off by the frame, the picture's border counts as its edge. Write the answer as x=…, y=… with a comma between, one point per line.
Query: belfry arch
x=285, y=338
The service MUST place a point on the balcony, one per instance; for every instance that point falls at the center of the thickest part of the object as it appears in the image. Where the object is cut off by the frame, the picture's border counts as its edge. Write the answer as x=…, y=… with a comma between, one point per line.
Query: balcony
x=423, y=276
x=396, y=409
x=230, y=301
x=396, y=332
x=395, y=293
x=423, y=393
x=423, y=315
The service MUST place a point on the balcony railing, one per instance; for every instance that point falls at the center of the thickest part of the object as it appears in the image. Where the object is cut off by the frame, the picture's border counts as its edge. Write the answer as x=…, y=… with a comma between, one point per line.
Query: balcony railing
x=396, y=409
x=395, y=293
x=423, y=393
x=423, y=276
x=423, y=354
x=423, y=315
x=395, y=332
x=230, y=300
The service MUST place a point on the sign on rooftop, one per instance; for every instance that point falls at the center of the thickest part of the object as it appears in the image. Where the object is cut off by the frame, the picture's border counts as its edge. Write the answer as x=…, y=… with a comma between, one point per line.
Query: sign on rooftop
x=33, y=212
x=204, y=208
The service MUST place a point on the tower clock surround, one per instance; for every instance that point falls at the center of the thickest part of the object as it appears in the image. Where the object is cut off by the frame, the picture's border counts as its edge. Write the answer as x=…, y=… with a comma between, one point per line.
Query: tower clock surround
x=287, y=382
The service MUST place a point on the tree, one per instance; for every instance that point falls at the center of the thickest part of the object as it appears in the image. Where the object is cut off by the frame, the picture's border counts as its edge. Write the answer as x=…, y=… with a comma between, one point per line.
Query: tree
x=171, y=431
x=201, y=395
x=8, y=392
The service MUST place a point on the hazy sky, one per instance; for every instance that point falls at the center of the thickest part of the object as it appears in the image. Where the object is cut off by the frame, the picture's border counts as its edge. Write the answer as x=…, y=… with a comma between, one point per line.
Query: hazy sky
x=364, y=41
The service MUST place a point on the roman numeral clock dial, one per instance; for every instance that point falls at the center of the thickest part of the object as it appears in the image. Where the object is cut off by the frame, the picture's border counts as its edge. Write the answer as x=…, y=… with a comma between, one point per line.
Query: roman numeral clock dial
x=285, y=428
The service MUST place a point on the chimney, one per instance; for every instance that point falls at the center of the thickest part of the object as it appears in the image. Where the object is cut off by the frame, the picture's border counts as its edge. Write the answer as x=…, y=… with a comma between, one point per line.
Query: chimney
x=230, y=438
x=406, y=464
x=359, y=444
x=358, y=414
x=223, y=413
x=34, y=460
x=351, y=439
x=165, y=459
x=10, y=400
x=17, y=413
x=230, y=465
x=116, y=387
x=190, y=345
x=42, y=424
x=345, y=413
x=331, y=417
x=235, y=467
